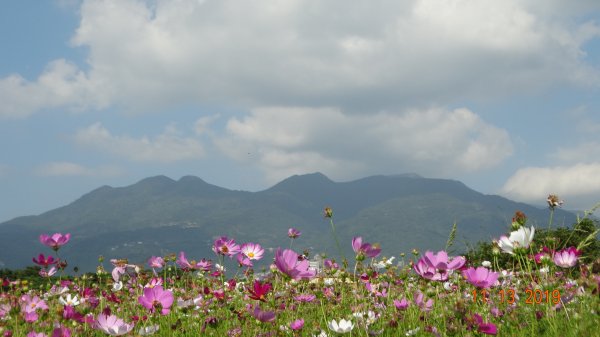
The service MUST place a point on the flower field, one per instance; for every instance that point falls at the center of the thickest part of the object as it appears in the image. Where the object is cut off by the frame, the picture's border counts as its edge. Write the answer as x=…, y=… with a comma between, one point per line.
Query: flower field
x=529, y=284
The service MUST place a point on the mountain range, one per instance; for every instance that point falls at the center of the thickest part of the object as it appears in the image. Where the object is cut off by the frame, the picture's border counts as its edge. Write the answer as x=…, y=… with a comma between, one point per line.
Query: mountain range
x=159, y=215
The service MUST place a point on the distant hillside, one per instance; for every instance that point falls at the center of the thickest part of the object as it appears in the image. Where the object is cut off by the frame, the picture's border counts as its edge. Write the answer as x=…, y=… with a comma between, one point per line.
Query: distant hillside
x=159, y=215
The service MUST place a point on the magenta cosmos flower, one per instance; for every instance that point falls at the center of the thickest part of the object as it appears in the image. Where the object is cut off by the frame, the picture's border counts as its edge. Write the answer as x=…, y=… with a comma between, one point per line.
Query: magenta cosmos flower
x=225, y=246
x=363, y=250
x=44, y=261
x=252, y=251
x=436, y=267
x=56, y=240
x=566, y=258
x=480, y=277
x=287, y=262
x=156, y=262
x=112, y=325
x=157, y=298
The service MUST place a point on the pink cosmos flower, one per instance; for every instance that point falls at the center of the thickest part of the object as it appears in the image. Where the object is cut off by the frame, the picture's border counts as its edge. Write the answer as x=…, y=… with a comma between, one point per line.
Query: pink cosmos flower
x=263, y=316
x=402, y=304
x=184, y=264
x=287, y=262
x=243, y=261
x=156, y=262
x=425, y=306
x=225, y=246
x=112, y=325
x=297, y=324
x=47, y=273
x=306, y=298
x=44, y=261
x=481, y=277
x=436, y=267
x=157, y=298
x=363, y=250
x=56, y=240
x=293, y=233
x=566, y=258
x=30, y=306
x=252, y=250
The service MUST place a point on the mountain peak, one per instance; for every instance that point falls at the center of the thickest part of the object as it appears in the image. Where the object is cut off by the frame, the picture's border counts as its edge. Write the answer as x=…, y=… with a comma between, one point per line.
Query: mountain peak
x=309, y=179
x=189, y=179
x=156, y=180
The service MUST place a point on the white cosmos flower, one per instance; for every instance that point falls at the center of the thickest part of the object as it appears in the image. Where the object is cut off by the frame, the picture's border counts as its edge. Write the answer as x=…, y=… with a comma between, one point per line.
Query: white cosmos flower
x=117, y=286
x=342, y=327
x=486, y=264
x=520, y=238
x=69, y=300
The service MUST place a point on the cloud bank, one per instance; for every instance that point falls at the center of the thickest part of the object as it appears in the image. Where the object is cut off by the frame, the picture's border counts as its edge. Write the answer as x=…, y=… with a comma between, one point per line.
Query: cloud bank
x=284, y=141
x=376, y=53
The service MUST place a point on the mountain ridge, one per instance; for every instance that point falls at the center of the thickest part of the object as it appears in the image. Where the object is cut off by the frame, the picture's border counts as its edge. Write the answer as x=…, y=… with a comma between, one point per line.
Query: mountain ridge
x=168, y=215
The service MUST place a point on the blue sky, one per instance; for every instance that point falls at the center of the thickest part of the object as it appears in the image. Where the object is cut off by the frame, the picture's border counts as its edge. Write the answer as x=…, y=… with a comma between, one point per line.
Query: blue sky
x=502, y=95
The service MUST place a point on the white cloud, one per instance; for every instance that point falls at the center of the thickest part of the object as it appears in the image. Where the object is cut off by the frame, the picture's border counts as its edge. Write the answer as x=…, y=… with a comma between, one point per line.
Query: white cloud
x=61, y=84
x=577, y=184
x=357, y=54
x=73, y=169
x=285, y=141
x=169, y=146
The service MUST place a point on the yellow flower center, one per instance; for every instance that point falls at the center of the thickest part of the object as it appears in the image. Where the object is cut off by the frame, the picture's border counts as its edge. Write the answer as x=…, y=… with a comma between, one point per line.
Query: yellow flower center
x=250, y=254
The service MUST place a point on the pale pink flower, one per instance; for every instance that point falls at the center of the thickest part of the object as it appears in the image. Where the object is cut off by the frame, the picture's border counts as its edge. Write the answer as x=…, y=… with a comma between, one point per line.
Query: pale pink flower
x=566, y=258
x=56, y=240
x=481, y=277
x=253, y=251
x=112, y=325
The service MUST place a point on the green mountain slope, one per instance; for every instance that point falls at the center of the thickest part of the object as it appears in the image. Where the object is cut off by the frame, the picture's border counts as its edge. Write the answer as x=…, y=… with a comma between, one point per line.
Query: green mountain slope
x=159, y=215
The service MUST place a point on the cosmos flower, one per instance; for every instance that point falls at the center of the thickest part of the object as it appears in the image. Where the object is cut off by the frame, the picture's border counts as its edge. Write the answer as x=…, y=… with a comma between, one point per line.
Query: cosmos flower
x=69, y=300
x=44, y=261
x=288, y=263
x=157, y=298
x=481, y=277
x=520, y=238
x=55, y=241
x=259, y=290
x=112, y=325
x=306, y=298
x=437, y=267
x=363, y=250
x=225, y=246
x=566, y=258
x=156, y=262
x=252, y=251
x=402, y=304
x=293, y=233
x=297, y=324
x=263, y=316
x=343, y=326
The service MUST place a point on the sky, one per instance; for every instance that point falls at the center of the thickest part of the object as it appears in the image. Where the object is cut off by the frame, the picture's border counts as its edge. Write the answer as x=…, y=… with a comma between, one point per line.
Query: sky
x=501, y=95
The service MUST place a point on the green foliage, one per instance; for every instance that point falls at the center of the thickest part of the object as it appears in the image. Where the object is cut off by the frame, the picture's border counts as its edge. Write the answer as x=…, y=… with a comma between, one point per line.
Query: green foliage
x=583, y=235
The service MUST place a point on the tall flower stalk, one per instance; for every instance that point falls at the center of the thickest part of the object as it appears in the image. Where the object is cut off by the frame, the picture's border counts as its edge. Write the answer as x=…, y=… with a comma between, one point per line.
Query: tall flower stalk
x=329, y=214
